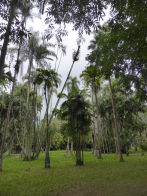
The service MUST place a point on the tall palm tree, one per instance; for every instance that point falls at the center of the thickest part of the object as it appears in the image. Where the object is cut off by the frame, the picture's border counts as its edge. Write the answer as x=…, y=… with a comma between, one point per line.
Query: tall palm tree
x=48, y=78
x=92, y=76
x=39, y=54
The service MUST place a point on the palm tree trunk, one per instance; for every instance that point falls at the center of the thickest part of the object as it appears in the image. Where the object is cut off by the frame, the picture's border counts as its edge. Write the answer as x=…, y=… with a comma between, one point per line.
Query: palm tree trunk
x=118, y=142
x=67, y=148
x=28, y=131
x=93, y=126
x=35, y=137
x=11, y=144
x=76, y=55
x=71, y=147
x=47, y=157
x=7, y=35
x=98, y=142
x=79, y=161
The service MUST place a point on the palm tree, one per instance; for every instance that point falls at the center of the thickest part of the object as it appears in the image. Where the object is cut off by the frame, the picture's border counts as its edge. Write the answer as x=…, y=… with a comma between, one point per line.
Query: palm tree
x=75, y=111
x=92, y=76
x=40, y=54
x=48, y=78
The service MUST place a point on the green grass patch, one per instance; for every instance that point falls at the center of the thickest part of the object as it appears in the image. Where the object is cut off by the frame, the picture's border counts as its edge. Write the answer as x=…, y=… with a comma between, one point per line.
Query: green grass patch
x=96, y=177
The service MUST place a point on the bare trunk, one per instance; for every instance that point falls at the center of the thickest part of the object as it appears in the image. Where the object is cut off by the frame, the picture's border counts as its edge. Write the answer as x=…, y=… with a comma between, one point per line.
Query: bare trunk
x=11, y=144
x=76, y=55
x=79, y=161
x=93, y=127
x=118, y=142
x=127, y=150
x=71, y=147
x=47, y=157
x=98, y=142
x=35, y=136
x=28, y=131
x=67, y=148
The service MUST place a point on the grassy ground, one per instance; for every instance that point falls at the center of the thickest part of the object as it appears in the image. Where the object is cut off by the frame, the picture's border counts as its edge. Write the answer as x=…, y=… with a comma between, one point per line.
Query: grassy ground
x=106, y=177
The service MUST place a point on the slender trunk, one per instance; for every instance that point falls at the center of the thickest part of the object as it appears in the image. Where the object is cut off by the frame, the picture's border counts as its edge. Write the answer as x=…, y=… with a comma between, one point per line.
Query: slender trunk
x=29, y=78
x=93, y=126
x=109, y=143
x=67, y=148
x=76, y=55
x=21, y=146
x=118, y=142
x=35, y=137
x=11, y=144
x=99, y=155
x=6, y=38
x=127, y=150
x=79, y=161
x=28, y=132
x=47, y=157
x=71, y=147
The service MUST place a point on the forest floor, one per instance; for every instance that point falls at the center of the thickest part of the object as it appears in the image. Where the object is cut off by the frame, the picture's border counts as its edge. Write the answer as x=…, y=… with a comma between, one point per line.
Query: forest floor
x=106, y=177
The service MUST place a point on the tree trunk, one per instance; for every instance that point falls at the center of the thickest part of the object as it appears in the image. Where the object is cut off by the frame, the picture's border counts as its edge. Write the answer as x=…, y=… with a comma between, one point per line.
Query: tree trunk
x=28, y=118
x=71, y=146
x=98, y=142
x=11, y=144
x=79, y=161
x=47, y=157
x=93, y=127
x=127, y=150
x=34, y=120
x=75, y=59
x=6, y=38
x=67, y=148
x=118, y=142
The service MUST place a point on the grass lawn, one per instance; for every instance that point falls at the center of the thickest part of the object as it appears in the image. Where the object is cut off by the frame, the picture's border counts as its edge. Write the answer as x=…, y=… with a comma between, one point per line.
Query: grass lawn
x=106, y=177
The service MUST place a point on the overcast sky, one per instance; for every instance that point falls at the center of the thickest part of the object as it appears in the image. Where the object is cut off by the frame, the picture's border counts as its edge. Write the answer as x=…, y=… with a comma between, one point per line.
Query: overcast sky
x=70, y=42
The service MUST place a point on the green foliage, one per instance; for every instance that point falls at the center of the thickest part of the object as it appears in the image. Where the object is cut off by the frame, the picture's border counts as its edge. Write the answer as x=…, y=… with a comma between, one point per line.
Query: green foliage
x=143, y=146
x=75, y=110
x=116, y=55
x=83, y=14
x=127, y=108
x=92, y=75
x=48, y=77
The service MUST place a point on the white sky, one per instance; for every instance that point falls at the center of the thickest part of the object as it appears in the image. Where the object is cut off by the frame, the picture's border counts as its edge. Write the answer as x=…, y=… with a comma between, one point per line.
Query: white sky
x=70, y=42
